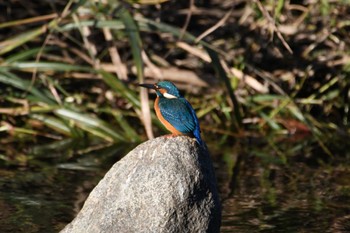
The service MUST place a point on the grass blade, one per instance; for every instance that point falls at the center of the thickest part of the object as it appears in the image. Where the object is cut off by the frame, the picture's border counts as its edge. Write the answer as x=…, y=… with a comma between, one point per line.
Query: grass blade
x=24, y=85
x=91, y=124
x=53, y=123
x=47, y=66
x=222, y=74
x=132, y=31
x=16, y=41
x=119, y=87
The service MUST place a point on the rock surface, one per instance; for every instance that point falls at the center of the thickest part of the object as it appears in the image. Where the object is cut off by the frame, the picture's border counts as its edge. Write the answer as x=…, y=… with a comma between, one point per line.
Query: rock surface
x=163, y=185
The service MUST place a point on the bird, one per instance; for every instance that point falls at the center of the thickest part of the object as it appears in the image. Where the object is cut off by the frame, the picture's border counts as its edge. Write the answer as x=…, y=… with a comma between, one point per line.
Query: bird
x=174, y=111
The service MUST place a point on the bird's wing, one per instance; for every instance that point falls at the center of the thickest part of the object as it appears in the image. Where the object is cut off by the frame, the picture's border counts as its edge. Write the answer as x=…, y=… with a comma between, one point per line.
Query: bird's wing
x=179, y=114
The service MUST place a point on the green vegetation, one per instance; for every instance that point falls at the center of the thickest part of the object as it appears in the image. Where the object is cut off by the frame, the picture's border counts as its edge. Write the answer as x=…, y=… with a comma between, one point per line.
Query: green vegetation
x=270, y=82
x=68, y=69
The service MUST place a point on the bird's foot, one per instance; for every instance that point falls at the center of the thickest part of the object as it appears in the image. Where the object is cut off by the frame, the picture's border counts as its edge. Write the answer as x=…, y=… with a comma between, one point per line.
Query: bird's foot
x=170, y=135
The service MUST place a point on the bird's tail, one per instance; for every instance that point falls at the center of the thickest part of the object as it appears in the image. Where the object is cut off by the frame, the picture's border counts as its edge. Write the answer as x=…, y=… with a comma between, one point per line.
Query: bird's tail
x=197, y=135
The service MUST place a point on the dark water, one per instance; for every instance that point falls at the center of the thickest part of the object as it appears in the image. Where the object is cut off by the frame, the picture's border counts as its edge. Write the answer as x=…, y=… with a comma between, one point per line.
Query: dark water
x=265, y=186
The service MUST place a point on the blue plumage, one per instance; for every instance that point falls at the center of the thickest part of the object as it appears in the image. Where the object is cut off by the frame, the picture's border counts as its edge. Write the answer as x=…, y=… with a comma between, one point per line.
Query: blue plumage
x=175, y=110
x=178, y=114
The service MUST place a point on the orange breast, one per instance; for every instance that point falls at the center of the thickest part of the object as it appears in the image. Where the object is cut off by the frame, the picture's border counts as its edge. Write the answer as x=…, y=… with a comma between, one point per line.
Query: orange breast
x=164, y=122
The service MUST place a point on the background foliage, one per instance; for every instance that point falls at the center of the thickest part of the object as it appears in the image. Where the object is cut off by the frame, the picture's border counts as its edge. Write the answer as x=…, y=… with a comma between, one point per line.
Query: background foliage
x=250, y=68
x=269, y=81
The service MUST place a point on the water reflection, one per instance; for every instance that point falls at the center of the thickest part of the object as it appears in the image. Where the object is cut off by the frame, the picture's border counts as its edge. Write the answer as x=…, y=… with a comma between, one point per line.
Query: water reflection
x=265, y=185
x=48, y=192
x=41, y=201
x=302, y=190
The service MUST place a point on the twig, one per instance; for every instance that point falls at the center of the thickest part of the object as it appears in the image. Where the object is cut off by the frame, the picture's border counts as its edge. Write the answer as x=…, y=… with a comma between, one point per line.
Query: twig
x=153, y=68
x=146, y=113
x=272, y=23
x=194, y=51
x=29, y=20
x=119, y=67
x=37, y=59
x=175, y=74
x=216, y=26
x=188, y=18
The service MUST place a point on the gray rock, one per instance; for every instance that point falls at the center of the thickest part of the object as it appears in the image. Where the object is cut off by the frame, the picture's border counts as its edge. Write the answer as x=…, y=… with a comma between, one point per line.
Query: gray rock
x=163, y=185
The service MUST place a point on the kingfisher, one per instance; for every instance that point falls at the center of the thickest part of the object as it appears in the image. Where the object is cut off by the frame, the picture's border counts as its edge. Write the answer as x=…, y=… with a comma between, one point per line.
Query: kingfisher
x=174, y=111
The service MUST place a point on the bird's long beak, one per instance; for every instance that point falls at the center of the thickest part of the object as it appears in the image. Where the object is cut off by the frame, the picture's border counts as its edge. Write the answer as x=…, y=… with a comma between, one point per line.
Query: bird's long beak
x=149, y=86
